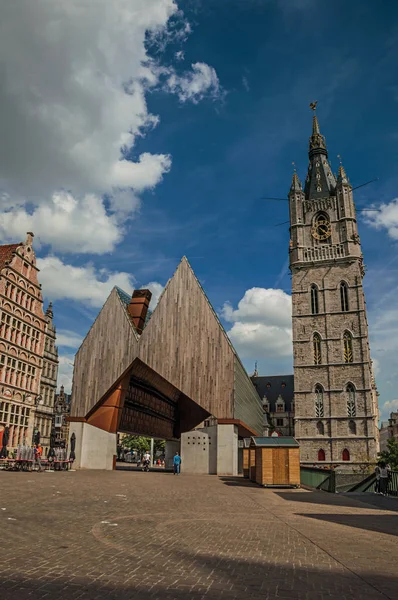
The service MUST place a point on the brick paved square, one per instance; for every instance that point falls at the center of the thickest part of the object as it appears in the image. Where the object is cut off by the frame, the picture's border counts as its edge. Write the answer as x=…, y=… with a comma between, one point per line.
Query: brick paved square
x=151, y=536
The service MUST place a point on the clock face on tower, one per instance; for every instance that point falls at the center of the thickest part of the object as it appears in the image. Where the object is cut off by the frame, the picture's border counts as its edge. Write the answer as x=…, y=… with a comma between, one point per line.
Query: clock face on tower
x=321, y=229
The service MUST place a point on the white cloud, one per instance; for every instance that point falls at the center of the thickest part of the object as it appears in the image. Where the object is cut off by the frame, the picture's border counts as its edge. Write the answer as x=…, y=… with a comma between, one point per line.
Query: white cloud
x=194, y=86
x=261, y=324
x=84, y=284
x=72, y=99
x=387, y=218
x=65, y=223
x=156, y=289
x=65, y=372
x=179, y=55
x=390, y=406
x=68, y=339
x=245, y=84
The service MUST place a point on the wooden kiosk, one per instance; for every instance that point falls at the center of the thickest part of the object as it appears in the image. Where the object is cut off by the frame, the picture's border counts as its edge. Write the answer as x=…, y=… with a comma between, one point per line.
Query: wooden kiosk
x=277, y=461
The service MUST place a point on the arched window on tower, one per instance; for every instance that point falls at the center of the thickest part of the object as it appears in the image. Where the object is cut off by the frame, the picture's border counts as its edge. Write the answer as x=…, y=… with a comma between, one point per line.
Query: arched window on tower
x=352, y=428
x=320, y=428
x=347, y=343
x=346, y=454
x=344, y=296
x=316, y=341
x=321, y=455
x=314, y=299
x=351, y=404
x=319, y=410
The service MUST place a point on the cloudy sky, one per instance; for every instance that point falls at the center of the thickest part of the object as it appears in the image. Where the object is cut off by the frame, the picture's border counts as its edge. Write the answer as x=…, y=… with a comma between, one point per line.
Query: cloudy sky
x=136, y=131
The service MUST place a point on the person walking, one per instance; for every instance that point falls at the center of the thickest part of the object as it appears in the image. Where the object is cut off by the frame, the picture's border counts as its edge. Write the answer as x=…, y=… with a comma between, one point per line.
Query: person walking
x=177, y=463
x=383, y=479
x=377, y=473
x=39, y=452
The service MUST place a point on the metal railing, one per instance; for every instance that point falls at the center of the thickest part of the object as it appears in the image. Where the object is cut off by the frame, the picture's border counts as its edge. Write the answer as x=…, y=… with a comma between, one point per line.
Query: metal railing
x=320, y=479
x=332, y=481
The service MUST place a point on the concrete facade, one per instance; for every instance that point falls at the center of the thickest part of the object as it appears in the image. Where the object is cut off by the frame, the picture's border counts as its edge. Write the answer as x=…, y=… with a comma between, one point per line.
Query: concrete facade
x=227, y=450
x=195, y=452
x=335, y=394
x=95, y=448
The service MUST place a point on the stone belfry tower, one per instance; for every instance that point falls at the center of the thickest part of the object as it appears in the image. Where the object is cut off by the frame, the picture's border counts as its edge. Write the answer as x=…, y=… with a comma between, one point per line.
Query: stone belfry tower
x=335, y=394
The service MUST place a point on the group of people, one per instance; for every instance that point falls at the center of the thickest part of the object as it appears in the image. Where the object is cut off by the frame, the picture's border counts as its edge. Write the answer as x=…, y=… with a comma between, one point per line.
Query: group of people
x=383, y=474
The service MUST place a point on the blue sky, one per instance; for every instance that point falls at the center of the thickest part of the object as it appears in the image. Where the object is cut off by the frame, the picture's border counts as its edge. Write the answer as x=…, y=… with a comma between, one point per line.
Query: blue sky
x=210, y=103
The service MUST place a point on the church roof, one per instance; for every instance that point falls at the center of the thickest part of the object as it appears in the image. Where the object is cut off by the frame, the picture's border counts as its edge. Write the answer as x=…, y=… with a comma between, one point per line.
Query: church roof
x=6, y=253
x=274, y=386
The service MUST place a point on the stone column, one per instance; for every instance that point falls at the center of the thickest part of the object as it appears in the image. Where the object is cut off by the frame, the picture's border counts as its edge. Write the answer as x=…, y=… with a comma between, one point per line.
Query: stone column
x=227, y=449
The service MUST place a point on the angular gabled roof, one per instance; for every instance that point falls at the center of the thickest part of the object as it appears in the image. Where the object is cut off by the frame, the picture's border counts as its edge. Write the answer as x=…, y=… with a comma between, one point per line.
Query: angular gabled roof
x=6, y=253
x=274, y=386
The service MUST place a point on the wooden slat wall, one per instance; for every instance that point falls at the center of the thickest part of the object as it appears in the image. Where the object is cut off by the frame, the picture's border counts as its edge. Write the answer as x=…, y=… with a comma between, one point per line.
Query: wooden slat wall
x=259, y=465
x=185, y=344
x=294, y=466
x=267, y=471
x=107, y=351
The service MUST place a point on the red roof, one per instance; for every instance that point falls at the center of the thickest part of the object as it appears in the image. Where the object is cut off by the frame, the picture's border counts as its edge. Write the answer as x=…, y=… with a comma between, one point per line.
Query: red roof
x=6, y=253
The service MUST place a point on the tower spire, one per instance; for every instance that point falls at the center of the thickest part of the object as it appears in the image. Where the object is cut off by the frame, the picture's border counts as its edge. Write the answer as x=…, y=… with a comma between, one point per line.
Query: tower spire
x=320, y=180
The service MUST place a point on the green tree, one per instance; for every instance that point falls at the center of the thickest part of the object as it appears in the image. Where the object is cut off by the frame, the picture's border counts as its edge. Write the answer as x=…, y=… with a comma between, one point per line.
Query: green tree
x=391, y=454
x=136, y=442
x=141, y=444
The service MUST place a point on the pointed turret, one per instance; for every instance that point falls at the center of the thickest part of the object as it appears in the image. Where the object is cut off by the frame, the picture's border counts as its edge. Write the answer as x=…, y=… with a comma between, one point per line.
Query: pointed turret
x=49, y=311
x=342, y=176
x=296, y=183
x=255, y=374
x=320, y=180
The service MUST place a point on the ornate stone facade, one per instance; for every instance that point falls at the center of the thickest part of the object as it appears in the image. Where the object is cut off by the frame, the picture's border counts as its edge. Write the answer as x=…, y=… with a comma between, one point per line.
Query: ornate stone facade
x=24, y=330
x=44, y=421
x=335, y=394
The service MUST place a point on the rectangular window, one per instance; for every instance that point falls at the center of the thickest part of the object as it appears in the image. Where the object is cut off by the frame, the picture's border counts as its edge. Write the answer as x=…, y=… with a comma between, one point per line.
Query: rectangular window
x=279, y=422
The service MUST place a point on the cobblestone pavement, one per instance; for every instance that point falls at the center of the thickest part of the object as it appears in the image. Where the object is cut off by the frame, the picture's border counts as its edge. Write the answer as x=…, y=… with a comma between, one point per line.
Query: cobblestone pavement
x=152, y=536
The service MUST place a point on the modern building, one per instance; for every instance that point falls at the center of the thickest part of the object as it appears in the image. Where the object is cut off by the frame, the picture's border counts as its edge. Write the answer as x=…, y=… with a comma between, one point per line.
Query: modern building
x=24, y=329
x=335, y=396
x=160, y=378
x=277, y=397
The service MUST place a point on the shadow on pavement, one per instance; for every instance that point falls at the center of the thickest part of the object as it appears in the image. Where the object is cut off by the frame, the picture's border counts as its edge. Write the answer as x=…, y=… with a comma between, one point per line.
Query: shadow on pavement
x=209, y=577
x=372, y=501
x=238, y=481
x=373, y=522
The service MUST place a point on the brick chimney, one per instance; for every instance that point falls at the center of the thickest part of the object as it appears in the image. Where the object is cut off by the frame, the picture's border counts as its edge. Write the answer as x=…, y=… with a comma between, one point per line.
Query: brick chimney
x=138, y=308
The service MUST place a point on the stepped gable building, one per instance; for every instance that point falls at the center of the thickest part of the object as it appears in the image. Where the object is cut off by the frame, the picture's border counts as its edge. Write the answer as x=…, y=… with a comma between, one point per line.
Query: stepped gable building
x=277, y=397
x=23, y=332
x=160, y=377
x=335, y=394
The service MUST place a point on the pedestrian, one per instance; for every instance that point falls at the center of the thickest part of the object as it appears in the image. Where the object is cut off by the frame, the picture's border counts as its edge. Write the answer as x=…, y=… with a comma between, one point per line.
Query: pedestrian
x=177, y=463
x=383, y=478
x=377, y=473
x=39, y=452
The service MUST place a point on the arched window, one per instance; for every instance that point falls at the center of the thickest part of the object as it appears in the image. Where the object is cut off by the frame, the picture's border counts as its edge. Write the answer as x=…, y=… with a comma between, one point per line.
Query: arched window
x=314, y=300
x=344, y=296
x=351, y=405
x=320, y=428
x=347, y=343
x=321, y=455
x=319, y=411
x=316, y=340
x=352, y=428
x=346, y=454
